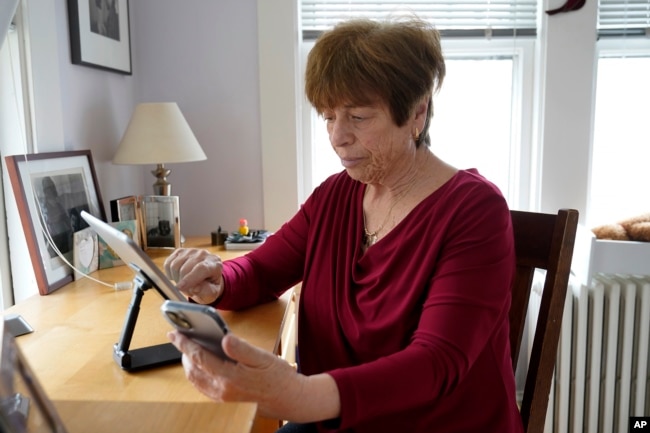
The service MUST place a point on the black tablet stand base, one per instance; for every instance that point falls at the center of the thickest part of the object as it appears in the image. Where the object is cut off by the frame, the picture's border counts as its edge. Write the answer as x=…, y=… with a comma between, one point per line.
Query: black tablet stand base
x=145, y=357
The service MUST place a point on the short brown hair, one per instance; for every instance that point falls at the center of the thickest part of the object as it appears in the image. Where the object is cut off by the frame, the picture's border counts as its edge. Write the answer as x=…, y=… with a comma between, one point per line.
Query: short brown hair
x=361, y=61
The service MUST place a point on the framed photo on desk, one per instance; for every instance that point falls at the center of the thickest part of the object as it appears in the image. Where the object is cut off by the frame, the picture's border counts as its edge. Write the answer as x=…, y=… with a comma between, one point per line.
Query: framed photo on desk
x=125, y=208
x=161, y=221
x=51, y=190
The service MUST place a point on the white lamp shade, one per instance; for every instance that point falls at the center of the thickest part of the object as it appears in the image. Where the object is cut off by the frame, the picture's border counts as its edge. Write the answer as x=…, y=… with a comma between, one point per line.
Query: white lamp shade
x=158, y=134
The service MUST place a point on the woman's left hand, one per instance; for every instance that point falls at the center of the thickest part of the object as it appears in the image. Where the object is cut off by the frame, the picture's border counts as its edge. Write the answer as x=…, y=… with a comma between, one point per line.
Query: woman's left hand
x=255, y=376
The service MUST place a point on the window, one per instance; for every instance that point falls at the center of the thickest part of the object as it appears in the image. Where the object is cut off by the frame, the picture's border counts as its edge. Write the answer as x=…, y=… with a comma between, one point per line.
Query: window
x=621, y=141
x=14, y=136
x=487, y=80
x=621, y=138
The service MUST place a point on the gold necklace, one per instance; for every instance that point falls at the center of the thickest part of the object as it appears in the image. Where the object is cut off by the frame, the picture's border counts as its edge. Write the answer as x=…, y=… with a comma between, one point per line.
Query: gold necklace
x=371, y=238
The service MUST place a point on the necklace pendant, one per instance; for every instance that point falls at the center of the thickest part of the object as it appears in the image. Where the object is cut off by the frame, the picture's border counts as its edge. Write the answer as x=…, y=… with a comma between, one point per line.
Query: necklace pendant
x=371, y=239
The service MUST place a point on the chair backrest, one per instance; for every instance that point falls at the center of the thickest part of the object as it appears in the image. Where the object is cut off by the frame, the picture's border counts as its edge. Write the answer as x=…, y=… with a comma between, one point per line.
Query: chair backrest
x=542, y=241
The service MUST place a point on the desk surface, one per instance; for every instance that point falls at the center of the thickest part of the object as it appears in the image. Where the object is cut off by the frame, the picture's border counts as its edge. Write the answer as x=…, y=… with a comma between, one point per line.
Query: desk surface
x=71, y=350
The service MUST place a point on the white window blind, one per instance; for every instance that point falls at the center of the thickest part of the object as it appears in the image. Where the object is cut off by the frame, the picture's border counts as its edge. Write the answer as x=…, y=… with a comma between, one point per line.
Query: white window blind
x=451, y=17
x=623, y=17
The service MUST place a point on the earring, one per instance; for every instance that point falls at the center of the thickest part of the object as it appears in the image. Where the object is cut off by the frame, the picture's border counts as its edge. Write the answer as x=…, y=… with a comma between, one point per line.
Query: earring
x=416, y=136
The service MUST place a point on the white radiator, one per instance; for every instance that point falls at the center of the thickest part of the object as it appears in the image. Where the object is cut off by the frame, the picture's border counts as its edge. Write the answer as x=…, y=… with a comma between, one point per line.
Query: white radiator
x=602, y=371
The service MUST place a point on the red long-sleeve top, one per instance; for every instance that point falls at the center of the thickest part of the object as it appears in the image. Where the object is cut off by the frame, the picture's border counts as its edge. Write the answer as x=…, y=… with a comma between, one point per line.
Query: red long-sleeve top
x=415, y=330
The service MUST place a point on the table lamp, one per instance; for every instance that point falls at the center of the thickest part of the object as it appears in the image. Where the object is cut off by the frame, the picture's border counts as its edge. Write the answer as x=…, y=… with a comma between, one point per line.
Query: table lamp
x=158, y=134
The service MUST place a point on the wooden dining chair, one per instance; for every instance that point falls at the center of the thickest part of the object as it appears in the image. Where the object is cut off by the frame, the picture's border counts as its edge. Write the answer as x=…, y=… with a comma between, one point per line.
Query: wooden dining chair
x=542, y=241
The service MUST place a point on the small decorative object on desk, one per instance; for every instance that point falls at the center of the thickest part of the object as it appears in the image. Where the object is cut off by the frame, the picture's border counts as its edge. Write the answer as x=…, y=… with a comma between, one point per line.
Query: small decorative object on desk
x=219, y=237
x=85, y=252
x=248, y=241
x=243, y=227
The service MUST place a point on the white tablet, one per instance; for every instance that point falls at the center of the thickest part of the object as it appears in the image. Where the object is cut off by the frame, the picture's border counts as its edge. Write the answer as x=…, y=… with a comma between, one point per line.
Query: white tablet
x=135, y=257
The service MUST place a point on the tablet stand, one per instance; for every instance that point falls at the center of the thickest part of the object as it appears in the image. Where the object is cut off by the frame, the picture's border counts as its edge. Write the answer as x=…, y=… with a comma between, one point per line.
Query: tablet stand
x=145, y=357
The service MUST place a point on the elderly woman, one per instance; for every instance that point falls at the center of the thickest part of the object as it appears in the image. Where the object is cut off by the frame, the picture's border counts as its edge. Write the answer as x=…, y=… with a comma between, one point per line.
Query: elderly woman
x=405, y=261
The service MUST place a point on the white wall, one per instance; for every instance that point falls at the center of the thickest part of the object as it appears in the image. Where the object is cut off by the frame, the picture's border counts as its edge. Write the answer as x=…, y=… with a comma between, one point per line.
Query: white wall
x=568, y=58
x=279, y=100
x=203, y=55
x=95, y=108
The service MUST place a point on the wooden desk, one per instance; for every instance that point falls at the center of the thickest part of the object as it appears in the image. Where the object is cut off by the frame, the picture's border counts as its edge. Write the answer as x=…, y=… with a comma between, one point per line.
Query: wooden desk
x=71, y=350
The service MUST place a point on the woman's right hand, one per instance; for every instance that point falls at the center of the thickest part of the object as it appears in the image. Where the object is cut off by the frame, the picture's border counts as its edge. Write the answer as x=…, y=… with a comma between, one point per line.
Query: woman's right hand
x=197, y=274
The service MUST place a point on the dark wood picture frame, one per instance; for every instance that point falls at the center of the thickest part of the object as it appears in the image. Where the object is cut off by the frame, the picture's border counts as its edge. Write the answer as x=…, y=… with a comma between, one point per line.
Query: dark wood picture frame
x=50, y=187
x=100, y=35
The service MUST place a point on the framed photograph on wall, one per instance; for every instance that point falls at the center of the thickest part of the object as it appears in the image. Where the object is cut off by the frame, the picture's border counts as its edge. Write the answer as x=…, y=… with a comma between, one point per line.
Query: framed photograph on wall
x=100, y=35
x=161, y=221
x=51, y=190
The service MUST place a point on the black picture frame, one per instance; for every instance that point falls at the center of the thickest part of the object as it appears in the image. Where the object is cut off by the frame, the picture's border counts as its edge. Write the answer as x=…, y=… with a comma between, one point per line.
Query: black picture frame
x=100, y=34
x=48, y=184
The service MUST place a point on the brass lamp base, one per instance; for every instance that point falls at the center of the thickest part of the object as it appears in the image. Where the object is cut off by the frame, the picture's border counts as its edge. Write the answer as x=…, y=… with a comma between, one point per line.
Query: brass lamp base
x=161, y=186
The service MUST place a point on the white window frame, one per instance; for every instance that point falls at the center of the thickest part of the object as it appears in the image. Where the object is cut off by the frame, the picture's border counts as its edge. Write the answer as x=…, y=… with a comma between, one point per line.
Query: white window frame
x=14, y=138
x=623, y=46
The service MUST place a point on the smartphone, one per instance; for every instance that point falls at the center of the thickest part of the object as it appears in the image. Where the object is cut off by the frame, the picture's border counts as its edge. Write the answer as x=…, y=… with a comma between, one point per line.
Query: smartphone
x=201, y=323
